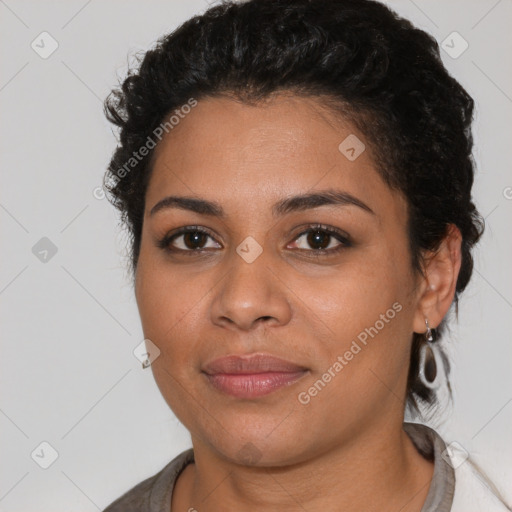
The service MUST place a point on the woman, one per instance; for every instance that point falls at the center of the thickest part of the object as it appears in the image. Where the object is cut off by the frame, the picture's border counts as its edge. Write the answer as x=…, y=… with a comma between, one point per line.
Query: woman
x=296, y=177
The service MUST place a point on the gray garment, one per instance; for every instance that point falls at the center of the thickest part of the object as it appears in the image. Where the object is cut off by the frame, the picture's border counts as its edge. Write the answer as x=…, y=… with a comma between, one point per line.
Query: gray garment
x=154, y=494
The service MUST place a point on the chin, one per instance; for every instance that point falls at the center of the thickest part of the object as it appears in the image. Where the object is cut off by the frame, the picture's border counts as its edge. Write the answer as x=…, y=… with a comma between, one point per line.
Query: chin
x=253, y=440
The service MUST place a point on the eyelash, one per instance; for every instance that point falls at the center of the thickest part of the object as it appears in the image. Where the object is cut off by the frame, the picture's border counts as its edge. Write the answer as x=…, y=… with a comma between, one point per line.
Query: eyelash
x=340, y=236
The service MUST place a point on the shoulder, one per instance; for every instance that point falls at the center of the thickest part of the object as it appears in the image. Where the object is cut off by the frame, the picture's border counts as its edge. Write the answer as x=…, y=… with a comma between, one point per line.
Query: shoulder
x=473, y=490
x=154, y=493
x=458, y=484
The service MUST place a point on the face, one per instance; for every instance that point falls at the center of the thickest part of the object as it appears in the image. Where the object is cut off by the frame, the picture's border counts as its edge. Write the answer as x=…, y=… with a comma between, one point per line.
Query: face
x=284, y=323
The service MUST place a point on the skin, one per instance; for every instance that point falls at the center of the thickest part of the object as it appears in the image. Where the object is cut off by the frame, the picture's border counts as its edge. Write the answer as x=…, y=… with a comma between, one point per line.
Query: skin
x=345, y=449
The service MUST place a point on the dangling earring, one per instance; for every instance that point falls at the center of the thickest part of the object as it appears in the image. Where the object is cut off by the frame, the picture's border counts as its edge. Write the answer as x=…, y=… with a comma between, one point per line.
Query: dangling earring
x=428, y=364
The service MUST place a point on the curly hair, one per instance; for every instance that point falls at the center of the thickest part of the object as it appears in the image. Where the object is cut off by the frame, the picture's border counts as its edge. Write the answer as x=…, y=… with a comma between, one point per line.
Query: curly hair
x=359, y=58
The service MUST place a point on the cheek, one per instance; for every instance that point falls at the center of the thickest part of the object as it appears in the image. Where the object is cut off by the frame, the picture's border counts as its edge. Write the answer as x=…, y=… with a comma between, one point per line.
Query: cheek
x=168, y=315
x=367, y=309
x=163, y=297
x=363, y=363
x=353, y=297
x=167, y=304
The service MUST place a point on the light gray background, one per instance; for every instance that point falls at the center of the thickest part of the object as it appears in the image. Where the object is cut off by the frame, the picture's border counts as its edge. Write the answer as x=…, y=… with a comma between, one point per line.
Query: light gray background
x=68, y=375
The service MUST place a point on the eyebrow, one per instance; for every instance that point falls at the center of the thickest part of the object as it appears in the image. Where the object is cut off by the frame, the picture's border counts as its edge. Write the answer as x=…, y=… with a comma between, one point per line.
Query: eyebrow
x=283, y=207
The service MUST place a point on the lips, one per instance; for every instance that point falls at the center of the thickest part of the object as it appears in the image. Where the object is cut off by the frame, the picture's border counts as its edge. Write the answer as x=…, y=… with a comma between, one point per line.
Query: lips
x=257, y=363
x=252, y=376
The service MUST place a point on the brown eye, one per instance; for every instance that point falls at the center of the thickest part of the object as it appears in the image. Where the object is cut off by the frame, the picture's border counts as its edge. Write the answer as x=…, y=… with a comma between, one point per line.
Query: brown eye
x=322, y=240
x=318, y=239
x=194, y=239
x=188, y=240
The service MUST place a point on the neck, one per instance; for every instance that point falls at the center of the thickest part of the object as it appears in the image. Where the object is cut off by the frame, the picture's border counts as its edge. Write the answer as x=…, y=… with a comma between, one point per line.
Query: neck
x=379, y=470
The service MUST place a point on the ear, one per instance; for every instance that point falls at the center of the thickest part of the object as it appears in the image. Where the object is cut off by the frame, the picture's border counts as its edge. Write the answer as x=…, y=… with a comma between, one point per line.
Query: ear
x=437, y=286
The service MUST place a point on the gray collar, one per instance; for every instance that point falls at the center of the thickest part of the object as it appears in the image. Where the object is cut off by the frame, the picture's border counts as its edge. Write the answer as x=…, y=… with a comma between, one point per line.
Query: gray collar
x=442, y=487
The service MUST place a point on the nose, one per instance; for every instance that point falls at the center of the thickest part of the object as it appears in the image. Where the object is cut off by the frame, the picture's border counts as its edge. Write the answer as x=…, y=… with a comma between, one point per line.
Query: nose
x=250, y=294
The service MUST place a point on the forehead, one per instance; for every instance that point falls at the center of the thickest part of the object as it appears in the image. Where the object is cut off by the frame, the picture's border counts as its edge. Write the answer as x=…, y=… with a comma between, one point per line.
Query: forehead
x=227, y=150
x=287, y=126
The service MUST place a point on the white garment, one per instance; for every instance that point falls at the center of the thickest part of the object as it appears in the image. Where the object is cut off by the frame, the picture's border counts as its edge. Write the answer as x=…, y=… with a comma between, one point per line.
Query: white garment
x=472, y=493
x=457, y=485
